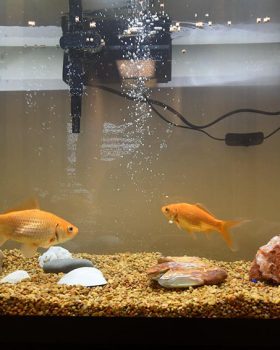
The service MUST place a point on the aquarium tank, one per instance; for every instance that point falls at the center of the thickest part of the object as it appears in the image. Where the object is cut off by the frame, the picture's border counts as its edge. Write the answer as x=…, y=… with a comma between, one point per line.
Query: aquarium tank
x=140, y=158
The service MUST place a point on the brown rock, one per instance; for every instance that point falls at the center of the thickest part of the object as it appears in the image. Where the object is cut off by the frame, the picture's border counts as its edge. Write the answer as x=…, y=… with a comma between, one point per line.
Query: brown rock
x=158, y=270
x=266, y=265
x=193, y=260
x=214, y=275
x=182, y=272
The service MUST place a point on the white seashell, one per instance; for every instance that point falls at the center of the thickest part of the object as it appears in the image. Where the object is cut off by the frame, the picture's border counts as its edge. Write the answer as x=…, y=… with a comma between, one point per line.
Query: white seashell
x=15, y=277
x=54, y=253
x=84, y=276
x=180, y=281
x=170, y=221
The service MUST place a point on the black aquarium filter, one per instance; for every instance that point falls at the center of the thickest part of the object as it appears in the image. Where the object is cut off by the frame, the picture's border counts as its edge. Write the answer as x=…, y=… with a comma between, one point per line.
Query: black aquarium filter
x=101, y=47
x=107, y=46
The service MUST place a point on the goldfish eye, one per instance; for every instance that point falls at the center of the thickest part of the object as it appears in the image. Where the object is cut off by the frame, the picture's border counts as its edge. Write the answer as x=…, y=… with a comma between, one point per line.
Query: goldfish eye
x=167, y=210
x=70, y=229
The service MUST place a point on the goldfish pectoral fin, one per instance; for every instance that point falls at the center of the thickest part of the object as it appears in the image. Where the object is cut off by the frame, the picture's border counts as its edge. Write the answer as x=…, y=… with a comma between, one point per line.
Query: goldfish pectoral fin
x=194, y=237
x=28, y=250
x=178, y=225
x=48, y=244
x=207, y=235
x=31, y=203
x=3, y=239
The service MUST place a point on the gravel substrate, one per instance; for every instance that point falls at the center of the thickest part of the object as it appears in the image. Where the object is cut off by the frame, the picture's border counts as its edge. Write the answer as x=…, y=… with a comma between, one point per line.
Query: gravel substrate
x=129, y=292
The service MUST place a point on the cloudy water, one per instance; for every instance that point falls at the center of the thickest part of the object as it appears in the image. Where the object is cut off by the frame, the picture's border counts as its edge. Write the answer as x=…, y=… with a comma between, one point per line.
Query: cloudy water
x=112, y=179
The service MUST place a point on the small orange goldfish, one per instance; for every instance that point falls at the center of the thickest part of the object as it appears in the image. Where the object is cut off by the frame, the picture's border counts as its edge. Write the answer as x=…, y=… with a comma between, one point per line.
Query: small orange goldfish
x=195, y=218
x=34, y=228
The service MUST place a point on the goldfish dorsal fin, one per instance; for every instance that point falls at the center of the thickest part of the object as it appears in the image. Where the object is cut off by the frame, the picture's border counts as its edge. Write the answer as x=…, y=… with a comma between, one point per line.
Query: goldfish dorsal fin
x=31, y=203
x=200, y=206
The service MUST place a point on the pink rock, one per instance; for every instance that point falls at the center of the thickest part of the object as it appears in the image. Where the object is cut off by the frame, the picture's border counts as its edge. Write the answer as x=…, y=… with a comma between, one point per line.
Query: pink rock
x=266, y=265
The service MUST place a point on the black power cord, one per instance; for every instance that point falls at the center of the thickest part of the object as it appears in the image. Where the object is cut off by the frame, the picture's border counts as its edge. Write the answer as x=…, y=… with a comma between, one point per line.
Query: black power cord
x=231, y=139
x=183, y=126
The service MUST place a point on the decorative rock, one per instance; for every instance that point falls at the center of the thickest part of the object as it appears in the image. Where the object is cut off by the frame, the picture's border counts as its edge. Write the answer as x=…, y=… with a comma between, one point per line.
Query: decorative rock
x=182, y=272
x=266, y=265
x=54, y=253
x=65, y=265
x=15, y=277
x=84, y=276
x=191, y=261
x=1, y=260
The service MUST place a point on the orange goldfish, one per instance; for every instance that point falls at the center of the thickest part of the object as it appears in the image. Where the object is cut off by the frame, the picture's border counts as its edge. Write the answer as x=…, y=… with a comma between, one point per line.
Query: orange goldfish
x=34, y=228
x=195, y=218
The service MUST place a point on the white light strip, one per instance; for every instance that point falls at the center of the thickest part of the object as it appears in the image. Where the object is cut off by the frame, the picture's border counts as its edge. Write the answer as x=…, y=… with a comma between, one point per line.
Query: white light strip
x=11, y=36
x=30, y=36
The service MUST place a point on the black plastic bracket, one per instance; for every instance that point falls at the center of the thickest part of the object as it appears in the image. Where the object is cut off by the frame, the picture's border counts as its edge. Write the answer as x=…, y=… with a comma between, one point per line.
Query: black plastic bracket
x=246, y=139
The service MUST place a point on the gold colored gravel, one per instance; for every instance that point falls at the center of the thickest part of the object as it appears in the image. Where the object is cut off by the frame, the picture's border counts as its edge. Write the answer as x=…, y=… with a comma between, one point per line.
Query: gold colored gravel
x=129, y=291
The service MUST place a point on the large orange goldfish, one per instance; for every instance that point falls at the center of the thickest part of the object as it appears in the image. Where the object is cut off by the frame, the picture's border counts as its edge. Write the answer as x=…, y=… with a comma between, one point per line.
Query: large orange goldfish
x=34, y=228
x=195, y=218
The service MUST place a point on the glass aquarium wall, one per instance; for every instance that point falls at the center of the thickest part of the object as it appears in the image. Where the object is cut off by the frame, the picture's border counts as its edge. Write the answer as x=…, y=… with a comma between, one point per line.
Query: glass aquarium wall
x=131, y=156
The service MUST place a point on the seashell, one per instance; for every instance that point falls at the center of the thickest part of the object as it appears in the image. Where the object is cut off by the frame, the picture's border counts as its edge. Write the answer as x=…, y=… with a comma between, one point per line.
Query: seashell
x=15, y=277
x=84, y=276
x=180, y=278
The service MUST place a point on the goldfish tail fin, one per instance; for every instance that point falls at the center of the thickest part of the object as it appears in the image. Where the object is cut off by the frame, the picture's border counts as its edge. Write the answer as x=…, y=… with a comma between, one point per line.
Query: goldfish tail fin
x=224, y=230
